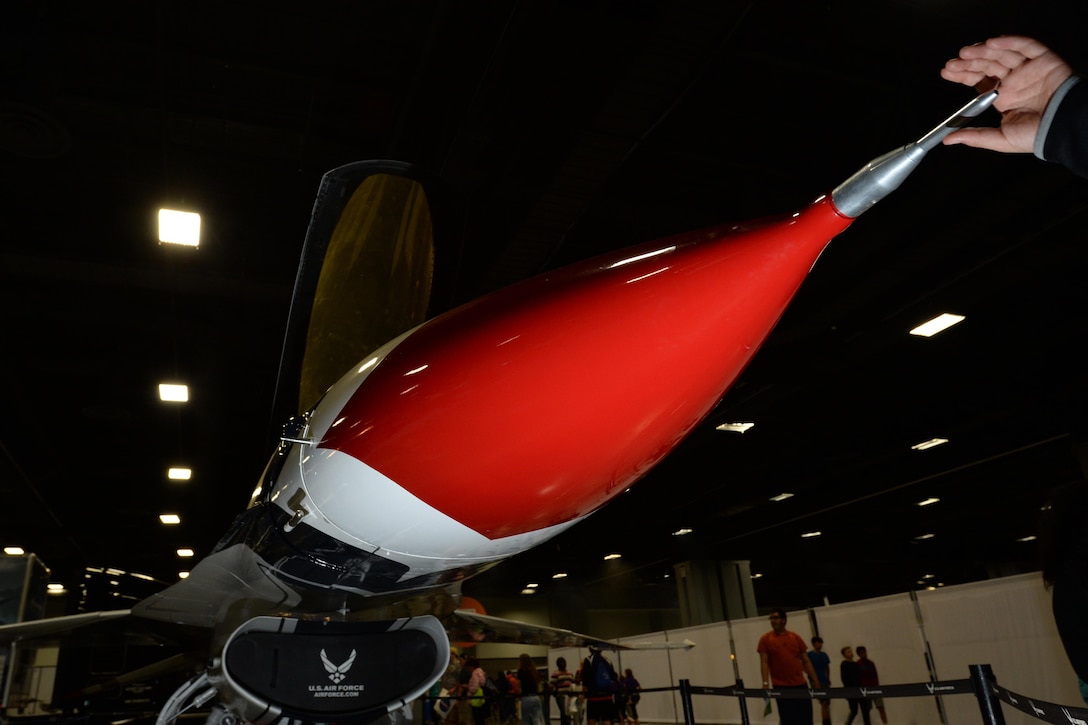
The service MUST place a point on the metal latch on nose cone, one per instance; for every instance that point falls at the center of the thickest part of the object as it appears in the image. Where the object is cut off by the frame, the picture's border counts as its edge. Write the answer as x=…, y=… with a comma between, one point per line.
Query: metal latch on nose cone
x=295, y=504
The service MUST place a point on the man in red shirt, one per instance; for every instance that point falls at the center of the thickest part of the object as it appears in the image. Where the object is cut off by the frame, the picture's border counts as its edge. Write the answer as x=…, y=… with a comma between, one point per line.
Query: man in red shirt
x=784, y=664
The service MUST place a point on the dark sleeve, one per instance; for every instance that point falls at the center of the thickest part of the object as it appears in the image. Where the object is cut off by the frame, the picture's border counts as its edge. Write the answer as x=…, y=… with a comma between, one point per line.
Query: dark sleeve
x=1066, y=136
x=1069, y=601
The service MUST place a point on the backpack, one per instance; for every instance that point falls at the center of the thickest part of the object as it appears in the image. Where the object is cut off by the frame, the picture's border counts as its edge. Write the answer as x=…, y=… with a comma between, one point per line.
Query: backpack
x=602, y=678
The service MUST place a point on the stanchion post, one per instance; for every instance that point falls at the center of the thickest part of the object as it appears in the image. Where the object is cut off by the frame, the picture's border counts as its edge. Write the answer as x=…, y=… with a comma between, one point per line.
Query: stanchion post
x=743, y=704
x=685, y=702
x=981, y=677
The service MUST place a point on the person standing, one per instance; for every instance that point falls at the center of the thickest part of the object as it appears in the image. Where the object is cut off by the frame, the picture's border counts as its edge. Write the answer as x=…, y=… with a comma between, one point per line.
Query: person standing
x=515, y=693
x=476, y=691
x=851, y=677
x=784, y=663
x=631, y=696
x=461, y=713
x=532, y=712
x=822, y=664
x=600, y=682
x=507, y=697
x=869, y=678
x=579, y=696
x=562, y=686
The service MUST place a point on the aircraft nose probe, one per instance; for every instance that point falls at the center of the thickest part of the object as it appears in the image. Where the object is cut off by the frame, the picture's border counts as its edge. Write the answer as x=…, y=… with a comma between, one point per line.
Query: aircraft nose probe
x=884, y=174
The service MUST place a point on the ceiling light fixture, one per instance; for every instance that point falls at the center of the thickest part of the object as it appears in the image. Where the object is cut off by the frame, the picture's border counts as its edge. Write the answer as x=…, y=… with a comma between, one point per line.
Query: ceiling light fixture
x=559, y=575
x=14, y=550
x=1024, y=539
x=169, y=519
x=179, y=227
x=527, y=590
x=928, y=501
x=781, y=497
x=931, y=443
x=186, y=553
x=938, y=324
x=923, y=537
x=736, y=427
x=609, y=557
x=811, y=534
x=682, y=532
x=173, y=393
x=179, y=474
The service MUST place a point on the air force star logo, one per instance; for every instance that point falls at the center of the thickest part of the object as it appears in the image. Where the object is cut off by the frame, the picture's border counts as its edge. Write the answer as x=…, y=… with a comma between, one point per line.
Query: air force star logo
x=337, y=672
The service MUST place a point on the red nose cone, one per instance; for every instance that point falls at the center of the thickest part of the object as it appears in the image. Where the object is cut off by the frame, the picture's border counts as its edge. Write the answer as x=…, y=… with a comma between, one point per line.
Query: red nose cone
x=534, y=405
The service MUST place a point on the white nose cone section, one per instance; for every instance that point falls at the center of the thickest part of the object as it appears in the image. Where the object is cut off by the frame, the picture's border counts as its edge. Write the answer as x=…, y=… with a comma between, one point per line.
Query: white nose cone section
x=354, y=503
x=345, y=498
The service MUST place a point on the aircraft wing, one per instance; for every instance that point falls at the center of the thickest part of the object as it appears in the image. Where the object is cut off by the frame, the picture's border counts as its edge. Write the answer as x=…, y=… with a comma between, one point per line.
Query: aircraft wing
x=215, y=586
x=467, y=626
x=55, y=626
x=233, y=574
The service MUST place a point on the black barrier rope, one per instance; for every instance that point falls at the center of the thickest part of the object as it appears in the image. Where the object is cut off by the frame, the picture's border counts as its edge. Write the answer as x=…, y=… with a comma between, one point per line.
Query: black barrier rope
x=1048, y=711
x=496, y=696
x=981, y=677
x=952, y=687
x=982, y=684
x=444, y=703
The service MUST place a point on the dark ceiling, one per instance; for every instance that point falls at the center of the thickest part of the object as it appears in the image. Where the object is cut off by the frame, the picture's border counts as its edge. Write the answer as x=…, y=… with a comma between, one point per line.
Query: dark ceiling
x=565, y=128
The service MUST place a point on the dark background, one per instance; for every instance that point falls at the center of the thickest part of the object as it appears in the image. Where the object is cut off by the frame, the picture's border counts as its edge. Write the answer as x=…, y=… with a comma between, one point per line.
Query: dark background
x=565, y=129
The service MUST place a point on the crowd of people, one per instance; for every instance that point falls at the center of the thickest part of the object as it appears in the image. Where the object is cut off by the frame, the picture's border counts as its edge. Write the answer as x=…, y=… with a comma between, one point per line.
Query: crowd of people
x=596, y=694
x=785, y=661
x=466, y=695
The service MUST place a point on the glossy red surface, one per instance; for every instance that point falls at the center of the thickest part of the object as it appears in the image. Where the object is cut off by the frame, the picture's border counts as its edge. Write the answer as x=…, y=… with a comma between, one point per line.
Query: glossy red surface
x=535, y=405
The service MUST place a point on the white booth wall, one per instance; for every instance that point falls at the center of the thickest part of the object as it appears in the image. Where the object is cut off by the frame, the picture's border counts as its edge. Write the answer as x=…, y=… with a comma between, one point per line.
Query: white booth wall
x=1005, y=623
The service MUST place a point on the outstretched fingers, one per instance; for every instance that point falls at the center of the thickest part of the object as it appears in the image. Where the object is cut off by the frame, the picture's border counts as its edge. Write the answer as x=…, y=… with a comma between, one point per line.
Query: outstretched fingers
x=982, y=138
x=994, y=58
x=1027, y=47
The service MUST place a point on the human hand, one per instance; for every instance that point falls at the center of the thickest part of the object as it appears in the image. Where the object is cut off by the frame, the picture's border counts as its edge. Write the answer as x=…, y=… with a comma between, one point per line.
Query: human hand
x=1026, y=74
